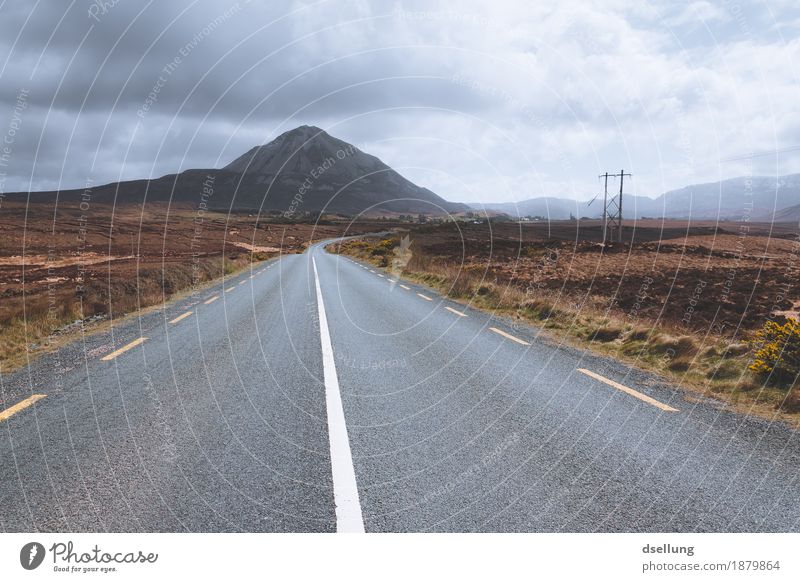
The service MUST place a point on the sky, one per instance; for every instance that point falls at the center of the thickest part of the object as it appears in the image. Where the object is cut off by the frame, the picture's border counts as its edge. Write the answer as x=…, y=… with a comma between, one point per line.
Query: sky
x=478, y=101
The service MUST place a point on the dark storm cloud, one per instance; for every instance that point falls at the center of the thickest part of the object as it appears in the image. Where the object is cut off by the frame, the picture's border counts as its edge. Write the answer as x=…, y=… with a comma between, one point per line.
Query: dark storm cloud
x=100, y=73
x=202, y=51
x=514, y=93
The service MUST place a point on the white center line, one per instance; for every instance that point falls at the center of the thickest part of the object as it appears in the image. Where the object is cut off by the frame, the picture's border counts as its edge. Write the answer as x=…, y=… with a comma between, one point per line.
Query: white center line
x=229, y=289
x=211, y=300
x=454, y=311
x=406, y=287
x=425, y=297
x=345, y=489
x=626, y=390
x=509, y=336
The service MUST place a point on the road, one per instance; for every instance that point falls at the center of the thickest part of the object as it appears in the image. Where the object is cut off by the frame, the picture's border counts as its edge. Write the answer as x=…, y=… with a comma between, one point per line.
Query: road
x=384, y=407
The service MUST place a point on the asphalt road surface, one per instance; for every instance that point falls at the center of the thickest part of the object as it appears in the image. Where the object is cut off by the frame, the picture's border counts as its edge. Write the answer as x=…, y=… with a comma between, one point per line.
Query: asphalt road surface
x=382, y=407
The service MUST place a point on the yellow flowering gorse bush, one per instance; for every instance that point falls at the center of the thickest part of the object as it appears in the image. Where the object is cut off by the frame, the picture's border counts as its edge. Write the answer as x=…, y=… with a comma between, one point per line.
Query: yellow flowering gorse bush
x=777, y=349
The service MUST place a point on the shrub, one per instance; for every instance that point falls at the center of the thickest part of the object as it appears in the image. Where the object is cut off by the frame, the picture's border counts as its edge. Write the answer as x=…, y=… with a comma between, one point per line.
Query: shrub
x=680, y=364
x=674, y=347
x=777, y=350
x=540, y=309
x=641, y=334
x=462, y=282
x=636, y=349
x=735, y=350
x=605, y=334
x=725, y=370
x=792, y=402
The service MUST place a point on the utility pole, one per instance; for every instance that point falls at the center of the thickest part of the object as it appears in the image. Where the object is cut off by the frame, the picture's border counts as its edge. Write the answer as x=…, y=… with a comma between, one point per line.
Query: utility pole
x=605, y=206
x=612, y=208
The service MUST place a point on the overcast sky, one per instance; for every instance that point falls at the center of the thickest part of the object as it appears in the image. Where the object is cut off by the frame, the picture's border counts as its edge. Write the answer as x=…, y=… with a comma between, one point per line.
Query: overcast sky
x=489, y=101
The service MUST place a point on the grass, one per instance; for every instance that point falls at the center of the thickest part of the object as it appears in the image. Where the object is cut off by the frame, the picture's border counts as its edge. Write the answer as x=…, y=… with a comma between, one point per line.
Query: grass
x=713, y=365
x=39, y=321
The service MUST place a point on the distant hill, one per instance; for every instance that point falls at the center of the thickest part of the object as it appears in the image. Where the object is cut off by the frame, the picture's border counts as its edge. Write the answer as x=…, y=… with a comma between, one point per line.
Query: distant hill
x=757, y=198
x=731, y=199
x=790, y=214
x=302, y=170
x=561, y=208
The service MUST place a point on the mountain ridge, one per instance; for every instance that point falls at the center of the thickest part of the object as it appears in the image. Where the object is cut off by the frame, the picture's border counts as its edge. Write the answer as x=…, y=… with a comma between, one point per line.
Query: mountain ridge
x=739, y=198
x=302, y=171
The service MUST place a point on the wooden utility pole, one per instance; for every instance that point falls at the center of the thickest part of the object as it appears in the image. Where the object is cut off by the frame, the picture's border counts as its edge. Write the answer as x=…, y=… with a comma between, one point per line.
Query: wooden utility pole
x=605, y=206
x=612, y=208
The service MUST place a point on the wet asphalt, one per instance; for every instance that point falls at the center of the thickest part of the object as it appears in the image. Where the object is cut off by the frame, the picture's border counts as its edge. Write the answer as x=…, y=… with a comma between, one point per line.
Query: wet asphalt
x=218, y=423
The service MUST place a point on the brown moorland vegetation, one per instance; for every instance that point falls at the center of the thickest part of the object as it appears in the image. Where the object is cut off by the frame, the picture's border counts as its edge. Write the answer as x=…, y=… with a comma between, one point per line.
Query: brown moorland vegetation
x=684, y=300
x=64, y=267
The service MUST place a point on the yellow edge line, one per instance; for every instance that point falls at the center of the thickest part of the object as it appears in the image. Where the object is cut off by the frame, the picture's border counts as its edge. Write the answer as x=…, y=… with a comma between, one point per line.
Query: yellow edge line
x=214, y=298
x=454, y=311
x=407, y=288
x=509, y=336
x=626, y=390
x=180, y=317
x=425, y=297
x=123, y=349
x=12, y=410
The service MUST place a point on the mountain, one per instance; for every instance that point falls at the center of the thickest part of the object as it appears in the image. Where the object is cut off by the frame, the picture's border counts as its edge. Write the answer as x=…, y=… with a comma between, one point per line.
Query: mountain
x=731, y=199
x=754, y=198
x=302, y=170
x=561, y=208
x=790, y=214
x=307, y=169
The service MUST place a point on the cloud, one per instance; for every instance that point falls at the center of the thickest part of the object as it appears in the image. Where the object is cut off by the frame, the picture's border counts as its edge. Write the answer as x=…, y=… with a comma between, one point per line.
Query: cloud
x=486, y=101
x=699, y=13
